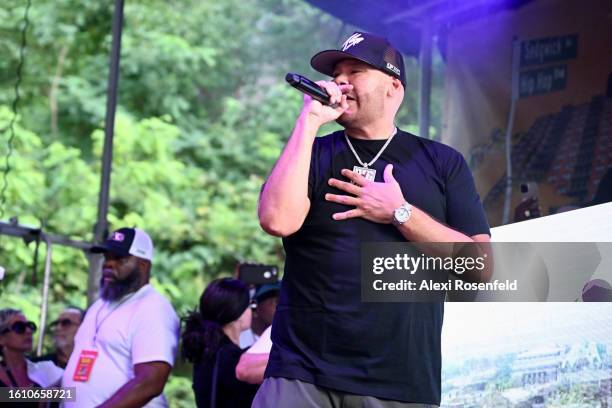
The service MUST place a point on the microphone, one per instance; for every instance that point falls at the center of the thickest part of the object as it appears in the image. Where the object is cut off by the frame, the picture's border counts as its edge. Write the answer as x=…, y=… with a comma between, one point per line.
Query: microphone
x=308, y=87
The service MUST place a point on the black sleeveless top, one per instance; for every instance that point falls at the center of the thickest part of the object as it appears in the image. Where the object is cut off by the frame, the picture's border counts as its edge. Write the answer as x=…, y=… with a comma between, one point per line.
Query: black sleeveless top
x=19, y=404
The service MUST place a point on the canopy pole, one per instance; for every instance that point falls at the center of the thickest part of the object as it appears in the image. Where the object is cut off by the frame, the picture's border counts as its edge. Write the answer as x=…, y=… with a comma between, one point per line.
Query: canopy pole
x=45, y=295
x=425, y=77
x=514, y=95
x=101, y=227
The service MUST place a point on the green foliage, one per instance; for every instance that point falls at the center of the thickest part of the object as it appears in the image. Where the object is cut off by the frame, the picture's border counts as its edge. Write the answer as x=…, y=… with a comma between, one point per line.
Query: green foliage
x=178, y=392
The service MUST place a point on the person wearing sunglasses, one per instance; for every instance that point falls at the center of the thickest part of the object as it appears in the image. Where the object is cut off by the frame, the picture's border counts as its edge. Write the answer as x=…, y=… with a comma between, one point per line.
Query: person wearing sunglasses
x=63, y=329
x=15, y=342
x=17, y=370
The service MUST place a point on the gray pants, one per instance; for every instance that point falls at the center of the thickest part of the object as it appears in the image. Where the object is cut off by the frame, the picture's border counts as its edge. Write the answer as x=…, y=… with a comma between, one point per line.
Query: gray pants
x=286, y=393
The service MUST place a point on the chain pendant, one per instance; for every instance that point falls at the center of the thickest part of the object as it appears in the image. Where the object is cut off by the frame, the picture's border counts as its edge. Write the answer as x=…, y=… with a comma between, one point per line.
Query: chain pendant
x=367, y=173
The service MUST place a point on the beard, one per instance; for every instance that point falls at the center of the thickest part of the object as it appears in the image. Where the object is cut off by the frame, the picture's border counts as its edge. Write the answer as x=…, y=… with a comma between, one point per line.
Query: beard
x=62, y=343
x=112, y=291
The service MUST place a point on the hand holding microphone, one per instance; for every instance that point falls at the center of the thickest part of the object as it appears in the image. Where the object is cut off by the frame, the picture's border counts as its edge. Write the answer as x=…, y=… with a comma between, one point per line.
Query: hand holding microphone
x=328, y=94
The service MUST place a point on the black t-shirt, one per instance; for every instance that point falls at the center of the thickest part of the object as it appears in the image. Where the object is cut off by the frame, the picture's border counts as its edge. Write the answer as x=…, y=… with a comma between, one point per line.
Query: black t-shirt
x=231, y=393
x=322, y=332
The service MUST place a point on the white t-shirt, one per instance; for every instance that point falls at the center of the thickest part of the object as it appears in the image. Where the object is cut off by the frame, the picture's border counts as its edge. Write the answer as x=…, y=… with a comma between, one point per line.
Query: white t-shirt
x=44, y=373
x=247, y=338
x=263, y=344
x=141, y=327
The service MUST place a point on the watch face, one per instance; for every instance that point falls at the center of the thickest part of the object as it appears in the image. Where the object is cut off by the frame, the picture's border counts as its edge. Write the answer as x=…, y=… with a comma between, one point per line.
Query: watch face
x=401, y=214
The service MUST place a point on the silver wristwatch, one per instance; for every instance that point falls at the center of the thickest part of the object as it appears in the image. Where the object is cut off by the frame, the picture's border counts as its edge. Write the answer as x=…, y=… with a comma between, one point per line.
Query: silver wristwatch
x=402, y=214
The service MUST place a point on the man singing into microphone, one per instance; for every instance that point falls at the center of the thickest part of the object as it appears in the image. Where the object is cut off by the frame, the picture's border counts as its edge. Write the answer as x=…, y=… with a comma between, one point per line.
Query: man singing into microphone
x=325, y=196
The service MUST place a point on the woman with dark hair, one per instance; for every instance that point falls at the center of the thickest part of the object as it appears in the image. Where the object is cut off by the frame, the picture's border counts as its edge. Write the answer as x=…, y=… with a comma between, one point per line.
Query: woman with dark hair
x=210, y=342
x=15, y=369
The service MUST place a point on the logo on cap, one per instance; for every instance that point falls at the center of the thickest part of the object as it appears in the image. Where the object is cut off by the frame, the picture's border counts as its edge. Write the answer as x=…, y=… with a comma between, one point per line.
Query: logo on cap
x=352, y=40
x=393, y=68
x=117, y=236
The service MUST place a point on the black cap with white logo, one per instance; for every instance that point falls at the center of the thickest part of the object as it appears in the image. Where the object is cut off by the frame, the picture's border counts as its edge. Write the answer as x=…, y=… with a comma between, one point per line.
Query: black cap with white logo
x=369, y=48
x=127, y=241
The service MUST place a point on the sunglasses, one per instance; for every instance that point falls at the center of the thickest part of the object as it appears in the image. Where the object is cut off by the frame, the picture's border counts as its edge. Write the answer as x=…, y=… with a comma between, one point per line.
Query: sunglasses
x=63, y=323
x=20, y=327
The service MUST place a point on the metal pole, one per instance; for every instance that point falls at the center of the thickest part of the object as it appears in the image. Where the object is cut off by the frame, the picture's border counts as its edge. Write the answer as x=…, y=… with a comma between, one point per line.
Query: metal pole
x=45, y=296
x=425, y=77
x=101, y=227
x=29, y=234
x=516, y=53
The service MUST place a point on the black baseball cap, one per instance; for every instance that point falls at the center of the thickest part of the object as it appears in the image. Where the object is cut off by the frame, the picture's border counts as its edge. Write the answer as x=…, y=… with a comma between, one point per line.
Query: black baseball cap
x=127, y=241
x=369, y=48
x=267, y=290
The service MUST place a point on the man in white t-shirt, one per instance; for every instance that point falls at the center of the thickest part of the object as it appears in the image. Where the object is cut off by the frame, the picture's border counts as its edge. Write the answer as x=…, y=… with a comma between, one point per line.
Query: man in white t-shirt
x=125, y=347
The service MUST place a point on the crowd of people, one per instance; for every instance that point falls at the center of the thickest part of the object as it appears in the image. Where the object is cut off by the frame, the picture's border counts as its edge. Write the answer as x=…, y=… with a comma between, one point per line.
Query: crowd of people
x=121, y=351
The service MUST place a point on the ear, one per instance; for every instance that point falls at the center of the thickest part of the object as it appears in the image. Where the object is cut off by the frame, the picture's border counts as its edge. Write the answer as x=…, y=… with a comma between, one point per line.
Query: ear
x=143, y=265
x=396, y=86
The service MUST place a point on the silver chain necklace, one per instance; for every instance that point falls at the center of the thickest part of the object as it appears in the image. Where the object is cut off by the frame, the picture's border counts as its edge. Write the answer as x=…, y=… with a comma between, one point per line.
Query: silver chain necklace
x=365, y=169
